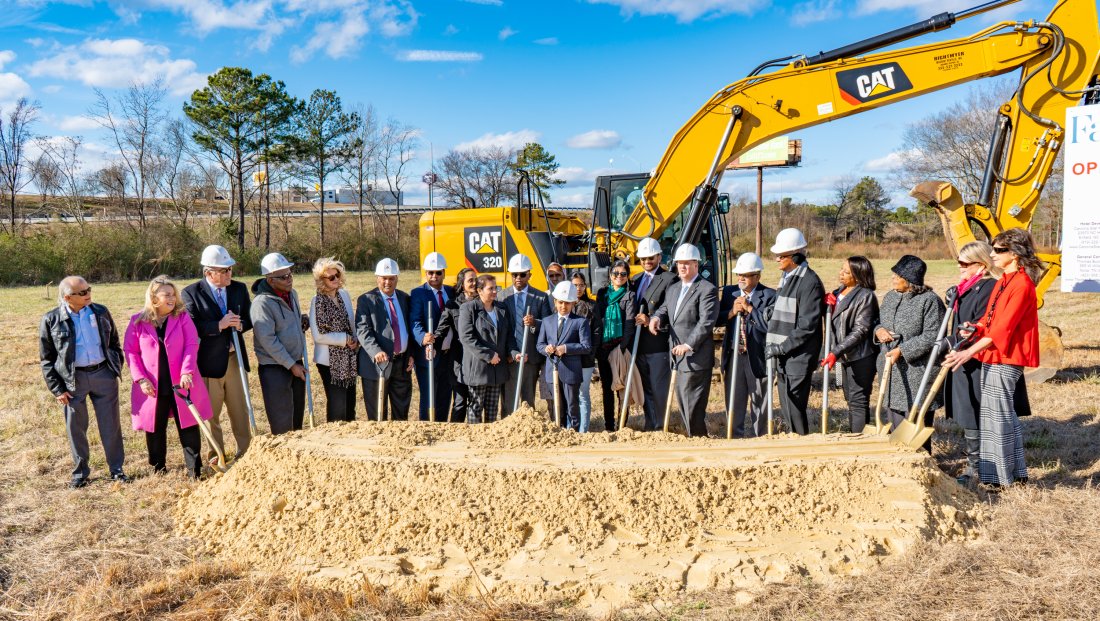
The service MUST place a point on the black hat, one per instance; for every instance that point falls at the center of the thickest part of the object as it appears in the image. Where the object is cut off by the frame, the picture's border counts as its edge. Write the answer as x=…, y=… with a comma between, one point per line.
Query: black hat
x=912, y=269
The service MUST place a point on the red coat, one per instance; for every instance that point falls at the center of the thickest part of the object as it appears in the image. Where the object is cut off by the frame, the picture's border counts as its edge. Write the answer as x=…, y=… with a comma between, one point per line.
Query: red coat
x=142, y=349
x=1014, y=327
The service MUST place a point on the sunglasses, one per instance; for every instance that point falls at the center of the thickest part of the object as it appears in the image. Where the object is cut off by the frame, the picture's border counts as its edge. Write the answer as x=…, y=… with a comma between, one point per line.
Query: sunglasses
x=620, y=274
x=999, y=250
x=780, y=257
x=965, y=263
x=283, y=277
x=435, y=272
x=523, y=275
x=333, y=278
x=82, y=292
x=219, y=270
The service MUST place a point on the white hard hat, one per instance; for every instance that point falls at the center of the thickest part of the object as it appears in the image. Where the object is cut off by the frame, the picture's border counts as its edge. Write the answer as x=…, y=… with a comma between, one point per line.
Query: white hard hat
x=273, y=262
x=434, y=261
x=386, y=267
x=648, y=247
x=748, y=263
x=565, y=291
x=789, y=240
x=216, y=256
x=519, y=263
x=687, y=252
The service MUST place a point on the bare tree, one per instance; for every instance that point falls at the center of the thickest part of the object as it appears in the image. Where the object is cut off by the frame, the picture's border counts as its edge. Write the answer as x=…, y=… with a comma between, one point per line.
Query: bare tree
x=173, y=170
x=398, y=147
x=363, y=164
x=111, y=181
x=72, y=183
x=134, y=119
x=46, y=177
x=484, y=175
x=15, y=132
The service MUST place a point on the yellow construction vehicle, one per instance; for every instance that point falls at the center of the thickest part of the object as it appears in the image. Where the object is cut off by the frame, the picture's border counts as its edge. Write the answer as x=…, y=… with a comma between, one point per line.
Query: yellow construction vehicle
x=1058, y=59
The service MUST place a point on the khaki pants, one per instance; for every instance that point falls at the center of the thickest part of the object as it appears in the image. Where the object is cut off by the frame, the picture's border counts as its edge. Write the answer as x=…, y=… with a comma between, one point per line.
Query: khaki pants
x=229, y=390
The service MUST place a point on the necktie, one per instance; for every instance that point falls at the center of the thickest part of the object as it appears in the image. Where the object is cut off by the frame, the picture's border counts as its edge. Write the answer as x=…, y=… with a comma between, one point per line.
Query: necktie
x=219, y=295
x=642, y=286
x=397, y=348
x=561, y=324
x=439, y=298
x=744, y=333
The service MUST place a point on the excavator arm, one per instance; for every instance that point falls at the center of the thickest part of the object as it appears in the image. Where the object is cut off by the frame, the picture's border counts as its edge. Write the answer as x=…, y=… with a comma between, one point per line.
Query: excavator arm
x=1062, y=50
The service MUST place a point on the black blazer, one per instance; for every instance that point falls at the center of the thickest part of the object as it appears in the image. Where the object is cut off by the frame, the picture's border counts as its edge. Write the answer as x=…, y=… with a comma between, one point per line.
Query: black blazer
x=448, y=325
x=854, y=321
x=756, y=325
x=481, y=338
x=214, y=343
x=653, y=299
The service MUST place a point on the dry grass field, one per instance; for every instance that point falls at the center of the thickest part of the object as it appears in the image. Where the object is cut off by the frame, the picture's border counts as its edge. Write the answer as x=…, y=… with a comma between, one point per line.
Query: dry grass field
x=110, y=551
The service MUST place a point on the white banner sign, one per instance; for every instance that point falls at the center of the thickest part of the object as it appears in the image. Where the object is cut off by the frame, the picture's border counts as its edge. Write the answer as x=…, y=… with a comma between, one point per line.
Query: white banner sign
x=1081, y=207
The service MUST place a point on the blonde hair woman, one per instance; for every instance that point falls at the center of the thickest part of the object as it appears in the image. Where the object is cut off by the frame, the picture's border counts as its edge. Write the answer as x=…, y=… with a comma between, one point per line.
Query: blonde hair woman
x=161, y=347
x=335, y=346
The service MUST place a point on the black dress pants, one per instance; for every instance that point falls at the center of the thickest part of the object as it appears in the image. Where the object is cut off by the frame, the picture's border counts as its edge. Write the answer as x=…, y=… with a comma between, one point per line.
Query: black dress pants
x=339, y=401
x=794, y=395
x=610, y=411
x=859, y=381
x=157, y=440
x=284, y=398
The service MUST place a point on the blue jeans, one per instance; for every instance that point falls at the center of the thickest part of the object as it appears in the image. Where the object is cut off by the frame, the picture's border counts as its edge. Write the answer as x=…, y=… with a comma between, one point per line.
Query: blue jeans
x=586, y=398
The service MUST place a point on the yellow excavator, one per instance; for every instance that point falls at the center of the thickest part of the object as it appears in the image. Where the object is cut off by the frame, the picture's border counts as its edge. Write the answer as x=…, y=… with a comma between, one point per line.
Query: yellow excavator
x=1058, y=59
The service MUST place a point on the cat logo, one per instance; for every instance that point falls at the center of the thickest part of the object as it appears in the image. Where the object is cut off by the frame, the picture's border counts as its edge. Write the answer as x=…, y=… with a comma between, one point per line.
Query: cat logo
x=859, y=86
x=484, y=248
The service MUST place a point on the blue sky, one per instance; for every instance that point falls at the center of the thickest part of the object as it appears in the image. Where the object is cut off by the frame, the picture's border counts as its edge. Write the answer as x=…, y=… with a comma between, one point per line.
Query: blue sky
x=602, y=84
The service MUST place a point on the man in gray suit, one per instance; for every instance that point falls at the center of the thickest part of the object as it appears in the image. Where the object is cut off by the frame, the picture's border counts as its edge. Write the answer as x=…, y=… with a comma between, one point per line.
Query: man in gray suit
x=526, y=307
x=689, y=313
x=385, y=352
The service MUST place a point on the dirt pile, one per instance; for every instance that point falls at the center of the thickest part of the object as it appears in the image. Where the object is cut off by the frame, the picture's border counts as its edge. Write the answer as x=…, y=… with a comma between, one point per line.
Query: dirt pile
x=522, y=509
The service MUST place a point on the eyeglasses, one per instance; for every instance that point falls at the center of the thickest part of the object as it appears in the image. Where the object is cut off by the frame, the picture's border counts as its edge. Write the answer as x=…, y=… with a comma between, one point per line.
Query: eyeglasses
x=219, y=270
x=82, y=293
x=333, y=277
x=965, y=264
x=435, y=272
x=999, y=250
x=780, y=257
x=750, y=275
x=523, y=275
x=620, y=274
x=283, y=277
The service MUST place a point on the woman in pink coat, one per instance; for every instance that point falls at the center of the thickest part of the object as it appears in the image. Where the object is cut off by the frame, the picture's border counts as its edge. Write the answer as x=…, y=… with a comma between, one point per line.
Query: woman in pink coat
x=161, y=345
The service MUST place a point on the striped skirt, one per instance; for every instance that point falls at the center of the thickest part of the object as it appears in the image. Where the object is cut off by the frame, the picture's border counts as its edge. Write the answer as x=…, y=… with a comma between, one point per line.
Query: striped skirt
x=1001, y=458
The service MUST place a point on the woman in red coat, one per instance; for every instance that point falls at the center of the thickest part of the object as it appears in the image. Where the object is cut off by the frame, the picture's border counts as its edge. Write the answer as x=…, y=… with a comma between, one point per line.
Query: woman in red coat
x=1006, y=341
x=161, y=347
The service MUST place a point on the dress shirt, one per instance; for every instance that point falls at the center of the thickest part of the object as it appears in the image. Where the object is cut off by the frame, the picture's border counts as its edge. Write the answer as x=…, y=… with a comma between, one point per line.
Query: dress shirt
x=400, y=327
x=89, y=349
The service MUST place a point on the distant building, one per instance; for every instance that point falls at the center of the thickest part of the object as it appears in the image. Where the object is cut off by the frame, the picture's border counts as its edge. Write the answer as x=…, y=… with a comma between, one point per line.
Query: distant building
x=348, y=196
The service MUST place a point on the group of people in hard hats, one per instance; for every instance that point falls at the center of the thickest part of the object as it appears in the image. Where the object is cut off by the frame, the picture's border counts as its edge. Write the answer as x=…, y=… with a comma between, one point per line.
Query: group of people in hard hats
x=478, y=351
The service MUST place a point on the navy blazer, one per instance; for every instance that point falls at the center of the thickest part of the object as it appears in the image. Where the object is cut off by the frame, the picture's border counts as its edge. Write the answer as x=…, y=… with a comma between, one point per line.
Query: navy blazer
x=762, y=299
x=541, y=306
x=419, y=299
x=576, y=335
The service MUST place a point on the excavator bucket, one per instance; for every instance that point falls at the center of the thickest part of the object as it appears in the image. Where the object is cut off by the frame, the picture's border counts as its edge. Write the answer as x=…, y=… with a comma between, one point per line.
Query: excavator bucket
x=1051, y=355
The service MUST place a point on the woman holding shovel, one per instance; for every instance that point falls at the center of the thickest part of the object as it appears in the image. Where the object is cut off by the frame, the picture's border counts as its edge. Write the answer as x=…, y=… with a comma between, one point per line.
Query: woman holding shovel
x=161, y=347
x=854, y=319
x=613, y=327
x=909, y=322
x=1005, y=340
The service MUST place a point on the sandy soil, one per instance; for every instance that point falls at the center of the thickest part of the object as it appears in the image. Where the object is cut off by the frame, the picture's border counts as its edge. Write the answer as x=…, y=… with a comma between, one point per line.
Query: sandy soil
x=521, y=509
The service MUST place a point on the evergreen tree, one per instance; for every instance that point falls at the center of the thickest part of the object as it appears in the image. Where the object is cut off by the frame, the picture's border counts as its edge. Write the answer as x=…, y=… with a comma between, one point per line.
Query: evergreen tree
x=541, y=165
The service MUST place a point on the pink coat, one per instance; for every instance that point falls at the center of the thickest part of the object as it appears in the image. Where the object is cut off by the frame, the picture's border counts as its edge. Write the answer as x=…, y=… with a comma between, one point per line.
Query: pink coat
x=143, y=355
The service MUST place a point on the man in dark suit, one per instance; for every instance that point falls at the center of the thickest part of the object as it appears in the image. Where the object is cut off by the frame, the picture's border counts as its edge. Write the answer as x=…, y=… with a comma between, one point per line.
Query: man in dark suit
x=526, y=306
x=795, y=328
x=432, y=297
x=218, y=305
x=689, y=313
x=654, y=368
x=753, y=302
x=564, y=338
x=386, y=345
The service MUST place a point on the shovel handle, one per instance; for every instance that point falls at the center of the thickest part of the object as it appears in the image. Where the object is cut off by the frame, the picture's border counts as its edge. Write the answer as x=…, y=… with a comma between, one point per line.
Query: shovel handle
x=733, y=375
x=204, y=427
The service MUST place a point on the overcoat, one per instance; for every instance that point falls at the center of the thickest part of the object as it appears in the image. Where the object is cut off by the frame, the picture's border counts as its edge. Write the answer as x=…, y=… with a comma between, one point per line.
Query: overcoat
x=142, y=349
x=916, y=318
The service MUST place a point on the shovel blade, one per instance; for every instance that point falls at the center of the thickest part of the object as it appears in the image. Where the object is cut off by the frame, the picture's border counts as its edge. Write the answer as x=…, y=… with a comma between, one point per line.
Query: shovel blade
x=905, y=433
x=919, y=438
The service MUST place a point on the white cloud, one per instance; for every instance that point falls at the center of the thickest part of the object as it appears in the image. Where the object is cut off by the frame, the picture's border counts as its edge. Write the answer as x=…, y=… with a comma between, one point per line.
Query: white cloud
x=595, y=139
x=12, y=87
x=685, y=10
x=76, y=124
x=508, y=140
x=575, y=199
x=547, y=41
x=813, y=11
x=485, y=2
x=6, y=56
x=577, y=176
x=439, y=56
x=922, y=7
x=118, y=63
x=52, y=89
x=505, y=33
x=889, y=162
x=338, y=39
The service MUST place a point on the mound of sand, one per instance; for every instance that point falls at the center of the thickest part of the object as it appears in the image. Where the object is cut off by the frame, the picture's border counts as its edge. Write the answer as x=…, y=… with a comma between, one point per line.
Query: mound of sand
x=522, y=509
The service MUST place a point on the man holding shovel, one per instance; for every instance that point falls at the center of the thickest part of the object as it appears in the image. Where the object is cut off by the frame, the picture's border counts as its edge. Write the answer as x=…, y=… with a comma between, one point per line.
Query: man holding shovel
x=753, y=302
x=218, y=305
x=385, y=352
x=652, y=360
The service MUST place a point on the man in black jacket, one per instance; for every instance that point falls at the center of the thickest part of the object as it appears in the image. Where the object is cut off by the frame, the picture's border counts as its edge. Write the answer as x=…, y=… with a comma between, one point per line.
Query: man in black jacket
x=795, y=329
x=753, y=301
x=218, y=306
x=81, y=359
x=654, y=368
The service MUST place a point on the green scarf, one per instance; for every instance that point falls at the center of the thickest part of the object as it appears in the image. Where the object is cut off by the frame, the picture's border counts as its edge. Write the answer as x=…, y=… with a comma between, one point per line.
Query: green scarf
x=613, y=318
